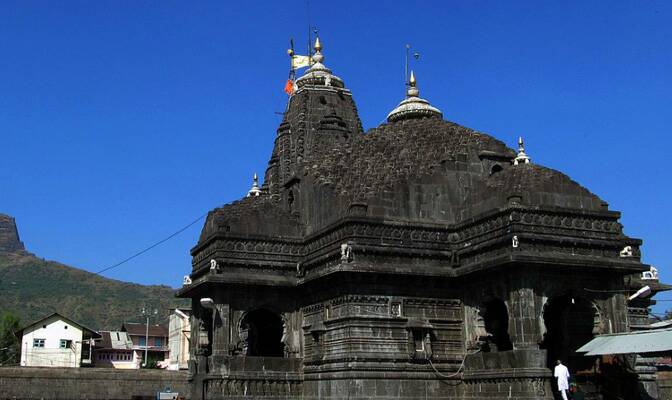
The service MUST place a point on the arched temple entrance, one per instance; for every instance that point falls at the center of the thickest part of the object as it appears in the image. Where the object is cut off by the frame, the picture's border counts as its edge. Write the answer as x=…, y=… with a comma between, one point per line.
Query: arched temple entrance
x=569, y=322
x=496, y=321
x=263, y=331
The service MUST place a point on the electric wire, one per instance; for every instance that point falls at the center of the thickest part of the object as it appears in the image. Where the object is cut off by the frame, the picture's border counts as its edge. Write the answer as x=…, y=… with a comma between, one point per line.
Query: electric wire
x=606, y=291
x=459, y=370
x=152, y=246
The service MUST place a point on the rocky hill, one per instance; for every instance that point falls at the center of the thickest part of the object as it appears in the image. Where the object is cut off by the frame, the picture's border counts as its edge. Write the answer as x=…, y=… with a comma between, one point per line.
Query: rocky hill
x=32, y=288
x=9, y=236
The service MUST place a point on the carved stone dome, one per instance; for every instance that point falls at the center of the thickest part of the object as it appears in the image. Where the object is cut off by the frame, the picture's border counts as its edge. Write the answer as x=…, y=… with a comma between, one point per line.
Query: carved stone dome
x=532, y=184
x=413, y=106
x=318, y=74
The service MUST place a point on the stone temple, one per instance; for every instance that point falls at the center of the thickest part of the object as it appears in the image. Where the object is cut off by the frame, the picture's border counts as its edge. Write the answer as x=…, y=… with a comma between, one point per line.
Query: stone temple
x=418, y=260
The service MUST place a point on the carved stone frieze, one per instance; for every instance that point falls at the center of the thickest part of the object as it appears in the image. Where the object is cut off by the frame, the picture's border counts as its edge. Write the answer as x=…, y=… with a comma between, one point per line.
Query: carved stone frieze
x=460, y=236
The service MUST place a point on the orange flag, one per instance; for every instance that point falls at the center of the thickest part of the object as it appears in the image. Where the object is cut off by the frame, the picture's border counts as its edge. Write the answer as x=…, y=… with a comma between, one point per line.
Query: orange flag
x=289, y=87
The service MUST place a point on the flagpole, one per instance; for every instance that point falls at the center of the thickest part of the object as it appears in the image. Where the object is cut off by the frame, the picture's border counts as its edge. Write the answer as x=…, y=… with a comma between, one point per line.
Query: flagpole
x=408, y=47
x=308, y=26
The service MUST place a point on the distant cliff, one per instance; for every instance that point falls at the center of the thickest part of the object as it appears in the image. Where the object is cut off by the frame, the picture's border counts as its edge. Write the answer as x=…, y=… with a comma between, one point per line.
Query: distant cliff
x=32, y=288
x=9, y=236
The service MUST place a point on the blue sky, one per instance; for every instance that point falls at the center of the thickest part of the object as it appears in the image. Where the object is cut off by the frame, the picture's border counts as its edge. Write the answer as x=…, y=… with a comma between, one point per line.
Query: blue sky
x=122, y=121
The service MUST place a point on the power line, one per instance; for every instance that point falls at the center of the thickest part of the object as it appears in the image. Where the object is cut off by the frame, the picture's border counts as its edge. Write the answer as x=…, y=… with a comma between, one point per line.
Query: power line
x=152, y=246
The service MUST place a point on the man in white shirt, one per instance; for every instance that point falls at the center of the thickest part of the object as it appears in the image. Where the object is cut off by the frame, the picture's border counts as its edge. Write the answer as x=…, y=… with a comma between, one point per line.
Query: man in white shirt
x=562, y=374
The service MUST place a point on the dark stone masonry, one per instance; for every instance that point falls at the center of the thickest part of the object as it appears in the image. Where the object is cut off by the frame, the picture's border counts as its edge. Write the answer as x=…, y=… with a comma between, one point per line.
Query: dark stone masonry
x=19, y=383
x=419, y=260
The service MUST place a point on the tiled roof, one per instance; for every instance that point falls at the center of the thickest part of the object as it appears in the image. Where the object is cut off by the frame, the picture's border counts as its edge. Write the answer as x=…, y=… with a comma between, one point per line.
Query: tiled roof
x=138, y=329
x=114, y=340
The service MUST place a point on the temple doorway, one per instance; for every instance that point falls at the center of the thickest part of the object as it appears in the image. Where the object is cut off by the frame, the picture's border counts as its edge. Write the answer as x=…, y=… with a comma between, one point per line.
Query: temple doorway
x=496, y=321
x=569, y=325
x=264, y=334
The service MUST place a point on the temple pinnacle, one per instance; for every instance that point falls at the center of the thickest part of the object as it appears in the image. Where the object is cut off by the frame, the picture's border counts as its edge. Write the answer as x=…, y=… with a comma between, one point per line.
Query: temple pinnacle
x=413, y=106
x=412, y=90
x=254, y=191
x=318, y=57
x=318, y=74
x=521, y=158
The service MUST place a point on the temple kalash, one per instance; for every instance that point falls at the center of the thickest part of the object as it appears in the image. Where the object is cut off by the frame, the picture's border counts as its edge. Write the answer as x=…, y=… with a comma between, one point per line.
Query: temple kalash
x=418, y=260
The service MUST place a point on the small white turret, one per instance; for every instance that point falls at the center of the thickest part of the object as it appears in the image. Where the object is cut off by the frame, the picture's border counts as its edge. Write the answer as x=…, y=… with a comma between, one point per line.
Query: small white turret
x=521, y=158
x=318, y=74
x=413, y=106
x=254, y=191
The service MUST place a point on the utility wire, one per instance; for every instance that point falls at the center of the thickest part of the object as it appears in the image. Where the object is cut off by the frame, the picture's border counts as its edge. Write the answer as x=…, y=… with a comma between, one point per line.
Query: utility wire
x=152, y=246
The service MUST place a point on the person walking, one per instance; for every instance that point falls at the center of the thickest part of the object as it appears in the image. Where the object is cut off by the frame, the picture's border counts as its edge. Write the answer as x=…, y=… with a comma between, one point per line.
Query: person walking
x=561, y=373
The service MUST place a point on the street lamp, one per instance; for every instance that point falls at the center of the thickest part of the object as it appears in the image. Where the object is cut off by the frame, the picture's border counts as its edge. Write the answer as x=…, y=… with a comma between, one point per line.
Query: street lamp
x=146, y=313
x=643, y=292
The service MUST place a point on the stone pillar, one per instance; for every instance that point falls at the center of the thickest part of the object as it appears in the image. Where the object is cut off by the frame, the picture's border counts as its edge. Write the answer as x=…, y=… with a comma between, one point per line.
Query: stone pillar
x=220, y=336
x=523, y=319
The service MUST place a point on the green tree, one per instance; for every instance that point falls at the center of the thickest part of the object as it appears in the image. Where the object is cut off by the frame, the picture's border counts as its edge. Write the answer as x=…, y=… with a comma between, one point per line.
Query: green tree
x=9, y=343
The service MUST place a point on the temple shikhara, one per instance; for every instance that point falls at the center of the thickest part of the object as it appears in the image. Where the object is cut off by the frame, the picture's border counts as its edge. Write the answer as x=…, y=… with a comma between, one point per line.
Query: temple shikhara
x=418, y=260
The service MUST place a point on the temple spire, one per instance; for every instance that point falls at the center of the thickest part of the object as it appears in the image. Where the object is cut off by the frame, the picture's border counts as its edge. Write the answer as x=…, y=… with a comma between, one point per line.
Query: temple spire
x=254, y=191
x=412, y=90
x=522, y=157
x=318, y=74
x=413, y=106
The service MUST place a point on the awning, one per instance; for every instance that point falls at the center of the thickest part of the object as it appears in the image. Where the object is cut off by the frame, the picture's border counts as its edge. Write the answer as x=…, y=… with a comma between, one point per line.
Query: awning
x=651, y=341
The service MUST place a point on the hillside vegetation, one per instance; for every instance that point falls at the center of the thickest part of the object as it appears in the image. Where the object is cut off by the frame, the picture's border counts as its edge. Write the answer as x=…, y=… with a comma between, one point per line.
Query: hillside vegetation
x=32, y=288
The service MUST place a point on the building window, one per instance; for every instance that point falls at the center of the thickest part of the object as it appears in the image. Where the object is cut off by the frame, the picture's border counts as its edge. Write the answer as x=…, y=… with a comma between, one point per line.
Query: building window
x=290, y=201
x=38, y=342
x=142, y=341
x=264, y=334
x=65, y=344
x=496, y=321
x=395, y=309
x=418, y=340
x=157, y=342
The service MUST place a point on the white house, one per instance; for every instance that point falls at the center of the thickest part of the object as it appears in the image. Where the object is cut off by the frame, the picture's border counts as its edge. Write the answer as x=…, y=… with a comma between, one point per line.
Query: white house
x=56, y=341
x=179, y=333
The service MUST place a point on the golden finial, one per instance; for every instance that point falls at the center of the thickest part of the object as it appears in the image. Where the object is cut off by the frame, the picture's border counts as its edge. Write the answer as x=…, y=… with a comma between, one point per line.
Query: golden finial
x=411, y=81
x=318, y=45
